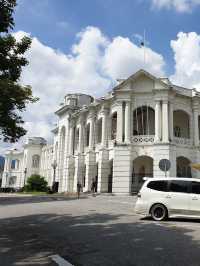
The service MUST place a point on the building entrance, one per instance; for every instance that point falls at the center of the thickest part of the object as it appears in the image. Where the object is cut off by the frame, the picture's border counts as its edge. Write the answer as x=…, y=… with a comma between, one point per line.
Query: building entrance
x=142, y=167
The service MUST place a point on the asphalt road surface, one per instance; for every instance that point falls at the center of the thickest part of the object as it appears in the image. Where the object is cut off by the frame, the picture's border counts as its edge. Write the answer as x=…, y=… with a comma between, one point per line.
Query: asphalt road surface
x=102, y=230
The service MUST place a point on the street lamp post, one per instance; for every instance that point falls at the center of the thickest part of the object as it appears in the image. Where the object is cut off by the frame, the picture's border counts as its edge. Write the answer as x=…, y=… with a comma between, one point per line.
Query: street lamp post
x=25, y=172
x=54, y=165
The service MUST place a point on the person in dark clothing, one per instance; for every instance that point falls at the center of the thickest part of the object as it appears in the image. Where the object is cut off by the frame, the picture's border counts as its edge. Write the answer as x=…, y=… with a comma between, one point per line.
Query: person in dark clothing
x=93, y=187
x=95, y=184
x=78, y=189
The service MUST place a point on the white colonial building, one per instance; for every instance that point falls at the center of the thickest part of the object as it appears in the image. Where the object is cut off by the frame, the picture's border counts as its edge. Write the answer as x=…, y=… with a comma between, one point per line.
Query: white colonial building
x=117, y=139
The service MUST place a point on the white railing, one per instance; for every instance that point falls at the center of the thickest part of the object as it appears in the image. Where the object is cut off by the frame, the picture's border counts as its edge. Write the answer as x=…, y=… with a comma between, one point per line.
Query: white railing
x=182, y=141
x=143, y=139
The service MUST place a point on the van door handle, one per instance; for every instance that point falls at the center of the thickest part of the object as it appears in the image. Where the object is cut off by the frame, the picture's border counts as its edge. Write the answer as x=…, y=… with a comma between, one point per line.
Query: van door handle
x=194, y=198
x=168, y=197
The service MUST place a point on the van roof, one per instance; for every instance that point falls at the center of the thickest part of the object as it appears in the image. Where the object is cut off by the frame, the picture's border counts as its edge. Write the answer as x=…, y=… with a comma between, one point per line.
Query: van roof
x=172, y=178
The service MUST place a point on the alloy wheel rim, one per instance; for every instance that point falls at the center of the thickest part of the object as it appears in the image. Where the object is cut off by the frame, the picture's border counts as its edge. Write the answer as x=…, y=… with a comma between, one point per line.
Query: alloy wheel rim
x=159, y=213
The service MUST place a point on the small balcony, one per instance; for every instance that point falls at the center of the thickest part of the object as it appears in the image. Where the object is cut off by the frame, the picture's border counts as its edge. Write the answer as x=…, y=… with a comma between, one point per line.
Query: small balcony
x=182, y=141
x=143, y=139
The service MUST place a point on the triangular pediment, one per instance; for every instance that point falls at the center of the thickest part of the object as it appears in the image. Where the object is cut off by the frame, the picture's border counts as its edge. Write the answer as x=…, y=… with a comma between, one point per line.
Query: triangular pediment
x=142, y=81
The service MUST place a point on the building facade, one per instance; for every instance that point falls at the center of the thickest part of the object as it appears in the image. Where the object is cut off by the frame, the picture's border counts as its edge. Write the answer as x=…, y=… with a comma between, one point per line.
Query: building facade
x=117, y=139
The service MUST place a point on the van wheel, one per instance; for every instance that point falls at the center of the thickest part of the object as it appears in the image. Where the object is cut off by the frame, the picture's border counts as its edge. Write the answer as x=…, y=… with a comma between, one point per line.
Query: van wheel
x=158, y=212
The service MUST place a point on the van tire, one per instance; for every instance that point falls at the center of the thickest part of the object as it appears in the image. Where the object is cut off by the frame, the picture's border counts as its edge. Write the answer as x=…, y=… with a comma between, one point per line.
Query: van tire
x=159, y=212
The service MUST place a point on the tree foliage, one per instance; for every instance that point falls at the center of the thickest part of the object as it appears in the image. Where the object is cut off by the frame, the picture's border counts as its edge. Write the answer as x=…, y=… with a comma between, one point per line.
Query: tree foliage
x=36, y=183
x=13, y=96
x=6, y=19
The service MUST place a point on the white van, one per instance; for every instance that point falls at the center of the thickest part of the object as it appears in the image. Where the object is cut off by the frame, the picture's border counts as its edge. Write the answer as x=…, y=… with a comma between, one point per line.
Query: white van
x=165, y=197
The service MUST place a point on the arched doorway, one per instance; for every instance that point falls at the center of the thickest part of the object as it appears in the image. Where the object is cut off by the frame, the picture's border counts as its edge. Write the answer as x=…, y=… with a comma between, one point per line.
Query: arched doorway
x=110, y=177
x=183, y=168
x=142, y=166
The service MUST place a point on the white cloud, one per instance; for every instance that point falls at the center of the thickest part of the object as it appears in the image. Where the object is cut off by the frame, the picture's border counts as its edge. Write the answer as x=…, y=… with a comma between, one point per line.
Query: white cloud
x=94, y=64
x=186, y=50
x=123, y=58
x=179, y=5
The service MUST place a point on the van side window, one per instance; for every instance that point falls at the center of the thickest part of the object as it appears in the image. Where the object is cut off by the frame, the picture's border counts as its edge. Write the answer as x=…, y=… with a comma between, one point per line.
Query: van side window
x=196, y=187
x=158, y=185
x=179, y=186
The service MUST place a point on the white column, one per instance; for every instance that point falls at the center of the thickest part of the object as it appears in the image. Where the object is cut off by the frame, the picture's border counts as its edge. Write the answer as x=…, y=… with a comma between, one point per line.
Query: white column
x=165, y=121
x=196, y=126
x=6, y=165
x=119, y=122
x=91, y=138
x=127, y=122
x=81, y=139
x=71, y=139
x=171, y=121
x=157, y=121
x=9, y=164
x=104, y=128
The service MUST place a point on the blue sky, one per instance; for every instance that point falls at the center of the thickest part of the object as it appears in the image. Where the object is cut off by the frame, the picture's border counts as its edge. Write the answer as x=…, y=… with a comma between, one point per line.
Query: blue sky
x=56, y=22
x=86, y=45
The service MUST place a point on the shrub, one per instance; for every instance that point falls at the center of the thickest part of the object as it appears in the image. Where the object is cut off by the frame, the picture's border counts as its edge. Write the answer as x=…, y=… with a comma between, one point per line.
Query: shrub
x=36, y=183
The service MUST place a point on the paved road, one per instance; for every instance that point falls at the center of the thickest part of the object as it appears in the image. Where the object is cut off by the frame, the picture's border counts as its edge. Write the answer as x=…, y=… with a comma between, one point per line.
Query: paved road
x=92, y=231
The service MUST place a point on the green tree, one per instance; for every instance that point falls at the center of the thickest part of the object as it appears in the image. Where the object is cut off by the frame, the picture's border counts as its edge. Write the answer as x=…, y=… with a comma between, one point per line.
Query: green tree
x=13, y=96
x=36, y=183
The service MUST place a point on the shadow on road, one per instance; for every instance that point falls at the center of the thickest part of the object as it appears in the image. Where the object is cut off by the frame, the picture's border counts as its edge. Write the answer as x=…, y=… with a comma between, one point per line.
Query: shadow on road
x=95, y=239
x=7, y=200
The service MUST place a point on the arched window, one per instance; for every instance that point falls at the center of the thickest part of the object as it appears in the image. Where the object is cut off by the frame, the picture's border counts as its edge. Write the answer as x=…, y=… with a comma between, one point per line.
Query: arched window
x=114, y=125
x=35, y=161
x=13, y=163
x=144, y=121
x=12, y=180
x=181, y=124
x=183, y=167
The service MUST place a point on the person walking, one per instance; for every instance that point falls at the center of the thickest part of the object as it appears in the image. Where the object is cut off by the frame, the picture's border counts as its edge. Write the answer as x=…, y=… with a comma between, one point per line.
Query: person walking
x=78, y=189
x=93, y=187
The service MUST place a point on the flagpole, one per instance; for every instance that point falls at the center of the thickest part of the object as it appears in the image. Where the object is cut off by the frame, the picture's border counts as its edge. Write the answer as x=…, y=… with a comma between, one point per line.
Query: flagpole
x=144, y=47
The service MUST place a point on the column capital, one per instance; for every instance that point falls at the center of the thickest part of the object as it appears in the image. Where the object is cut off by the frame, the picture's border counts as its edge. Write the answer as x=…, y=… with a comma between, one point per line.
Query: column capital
x=81, y=120
x=72, y=123
x=104, y=111
x=157, y=100
x=165, y=101
x=92, y=115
